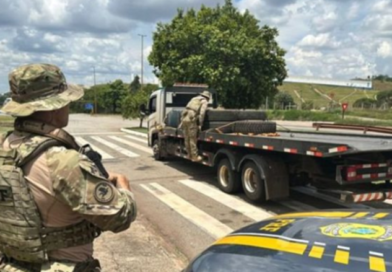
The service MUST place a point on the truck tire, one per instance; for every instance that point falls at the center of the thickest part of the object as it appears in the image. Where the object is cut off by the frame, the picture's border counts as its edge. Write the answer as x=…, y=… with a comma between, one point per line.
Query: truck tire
x=173, y=118
x=221, y=115
x=252, y=183
x=156, y=151
x=234, y=115
x=228, y=179
x=215, y=124
x=255, y=127
x=252, y=115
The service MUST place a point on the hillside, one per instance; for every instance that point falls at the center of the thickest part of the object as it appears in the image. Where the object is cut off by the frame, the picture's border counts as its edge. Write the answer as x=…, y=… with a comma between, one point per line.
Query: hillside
x=320, y=94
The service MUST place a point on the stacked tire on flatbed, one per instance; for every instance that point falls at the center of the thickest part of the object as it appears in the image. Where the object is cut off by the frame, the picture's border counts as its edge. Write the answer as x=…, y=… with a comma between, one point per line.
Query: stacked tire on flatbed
x=239, y=121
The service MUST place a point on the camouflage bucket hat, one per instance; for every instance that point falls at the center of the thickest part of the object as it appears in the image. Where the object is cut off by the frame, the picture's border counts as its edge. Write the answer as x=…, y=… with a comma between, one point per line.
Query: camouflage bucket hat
x=206, y=94
x=39, y=87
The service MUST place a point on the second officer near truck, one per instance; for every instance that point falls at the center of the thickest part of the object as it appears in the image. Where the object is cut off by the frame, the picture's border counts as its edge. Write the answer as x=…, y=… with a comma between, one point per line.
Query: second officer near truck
x=191, y=122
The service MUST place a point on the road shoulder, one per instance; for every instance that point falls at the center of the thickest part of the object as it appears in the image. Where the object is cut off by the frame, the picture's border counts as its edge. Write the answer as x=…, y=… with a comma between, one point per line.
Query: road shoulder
x=140, y=248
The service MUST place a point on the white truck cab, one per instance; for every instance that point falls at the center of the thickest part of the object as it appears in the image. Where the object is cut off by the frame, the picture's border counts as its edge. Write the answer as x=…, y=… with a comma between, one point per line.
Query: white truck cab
x=164, y=100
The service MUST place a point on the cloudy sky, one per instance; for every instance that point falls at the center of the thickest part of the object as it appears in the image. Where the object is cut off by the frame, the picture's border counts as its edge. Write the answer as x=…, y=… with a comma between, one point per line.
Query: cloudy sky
x=338, y=39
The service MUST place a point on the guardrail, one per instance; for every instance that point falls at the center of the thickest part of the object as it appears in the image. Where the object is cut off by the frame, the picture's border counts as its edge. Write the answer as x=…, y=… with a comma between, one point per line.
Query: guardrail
x=353, y=127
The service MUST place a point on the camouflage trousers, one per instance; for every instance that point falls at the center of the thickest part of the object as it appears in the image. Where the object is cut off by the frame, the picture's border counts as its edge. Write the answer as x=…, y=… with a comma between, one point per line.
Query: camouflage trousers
x=190, y=130
x=15, y=266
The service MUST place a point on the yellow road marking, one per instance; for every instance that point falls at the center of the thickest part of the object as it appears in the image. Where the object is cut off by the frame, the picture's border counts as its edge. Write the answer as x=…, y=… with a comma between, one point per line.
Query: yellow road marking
x=317, y=214
x=377, y=264
x=317, y=252
x=342, y=256
x=380, y=215
x=360, y=215
x=265, y=242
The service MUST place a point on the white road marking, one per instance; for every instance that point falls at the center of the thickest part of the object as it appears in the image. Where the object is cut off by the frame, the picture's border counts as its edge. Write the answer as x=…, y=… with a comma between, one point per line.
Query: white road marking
x=388, y=201
x=137, y=139
x=104, y=155
x=198, y=217
x=115, y=147
x=232, y=202
x=131, y=144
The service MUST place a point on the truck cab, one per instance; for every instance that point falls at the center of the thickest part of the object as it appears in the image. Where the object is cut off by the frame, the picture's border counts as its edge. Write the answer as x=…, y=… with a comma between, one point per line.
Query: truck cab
x=167, y=99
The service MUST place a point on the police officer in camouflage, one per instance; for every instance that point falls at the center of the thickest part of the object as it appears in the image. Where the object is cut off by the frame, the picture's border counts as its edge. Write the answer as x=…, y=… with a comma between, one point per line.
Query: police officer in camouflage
x=192, y=119
x=54, y=199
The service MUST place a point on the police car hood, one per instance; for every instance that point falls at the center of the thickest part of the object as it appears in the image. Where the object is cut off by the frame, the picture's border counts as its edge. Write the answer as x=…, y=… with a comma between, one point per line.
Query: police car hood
x=319, y=241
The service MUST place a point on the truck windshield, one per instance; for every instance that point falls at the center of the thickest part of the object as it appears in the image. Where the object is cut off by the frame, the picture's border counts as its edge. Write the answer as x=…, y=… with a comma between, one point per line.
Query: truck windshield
x=180, y=100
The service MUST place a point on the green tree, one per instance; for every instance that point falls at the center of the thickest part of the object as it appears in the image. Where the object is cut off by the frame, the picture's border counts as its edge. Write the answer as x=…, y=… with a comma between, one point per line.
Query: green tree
x=223, y=48
x=130, y=107
x=115, y=95
x=282, y=100
x=135, y=85
x=3, y=97
x=365, y=103
x=384, y=99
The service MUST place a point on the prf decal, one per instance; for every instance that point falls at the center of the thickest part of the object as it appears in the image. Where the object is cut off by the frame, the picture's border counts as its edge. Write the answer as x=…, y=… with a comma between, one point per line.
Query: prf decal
x=359, y=231
x=277, y=225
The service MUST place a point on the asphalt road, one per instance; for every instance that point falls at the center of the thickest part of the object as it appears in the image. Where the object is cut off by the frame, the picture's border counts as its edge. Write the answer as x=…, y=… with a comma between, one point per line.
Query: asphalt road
x=181, y=210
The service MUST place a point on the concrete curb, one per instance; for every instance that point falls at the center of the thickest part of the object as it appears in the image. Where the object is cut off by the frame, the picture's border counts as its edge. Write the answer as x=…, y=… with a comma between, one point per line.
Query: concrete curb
x=129, y=131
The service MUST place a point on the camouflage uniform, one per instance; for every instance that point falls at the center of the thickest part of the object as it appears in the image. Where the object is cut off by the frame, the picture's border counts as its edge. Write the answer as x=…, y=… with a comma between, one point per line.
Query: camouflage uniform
x=191, y=119
x=54, y=201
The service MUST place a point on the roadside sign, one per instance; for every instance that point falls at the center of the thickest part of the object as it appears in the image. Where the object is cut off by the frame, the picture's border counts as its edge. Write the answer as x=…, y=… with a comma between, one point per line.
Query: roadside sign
x=344, y=108
x=88, y=106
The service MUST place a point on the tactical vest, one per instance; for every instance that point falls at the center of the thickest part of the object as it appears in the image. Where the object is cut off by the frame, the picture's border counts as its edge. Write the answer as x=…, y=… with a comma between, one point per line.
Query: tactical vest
x=22, y=234
x=195, y=105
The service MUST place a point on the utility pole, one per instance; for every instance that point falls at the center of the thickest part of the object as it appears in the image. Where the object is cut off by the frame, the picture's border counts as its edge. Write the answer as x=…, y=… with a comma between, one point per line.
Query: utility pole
x=141, y=81
x=95, y=94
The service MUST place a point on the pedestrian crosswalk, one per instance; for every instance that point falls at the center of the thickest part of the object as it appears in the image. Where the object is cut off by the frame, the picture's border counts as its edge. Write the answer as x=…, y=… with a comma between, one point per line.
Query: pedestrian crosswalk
x=188, y=208
x=198, y=217
x=117, y=148
x=104, y=154
x=112, y=146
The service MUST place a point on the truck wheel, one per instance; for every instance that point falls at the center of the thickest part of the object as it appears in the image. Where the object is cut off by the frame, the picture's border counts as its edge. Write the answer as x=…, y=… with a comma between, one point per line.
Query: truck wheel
x=252, y=183
x=156, y=150
x=228, y=179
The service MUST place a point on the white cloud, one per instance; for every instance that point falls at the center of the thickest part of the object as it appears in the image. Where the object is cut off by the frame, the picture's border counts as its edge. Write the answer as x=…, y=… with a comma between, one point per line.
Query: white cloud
x=381, y=6
x=321, y=40
x=384, y=50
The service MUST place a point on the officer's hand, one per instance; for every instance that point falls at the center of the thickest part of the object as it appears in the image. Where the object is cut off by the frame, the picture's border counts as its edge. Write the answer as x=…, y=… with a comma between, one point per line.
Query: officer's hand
x=200, y=128
x=119, y=180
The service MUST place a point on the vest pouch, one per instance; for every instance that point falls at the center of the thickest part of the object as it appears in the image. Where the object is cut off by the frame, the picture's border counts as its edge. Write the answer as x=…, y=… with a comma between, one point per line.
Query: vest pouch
x=20, y=221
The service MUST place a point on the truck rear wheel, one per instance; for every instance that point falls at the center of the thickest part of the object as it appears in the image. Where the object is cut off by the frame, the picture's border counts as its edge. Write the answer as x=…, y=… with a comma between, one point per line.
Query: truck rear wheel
x=228, y=179
x=156, y=151
x=252, y=183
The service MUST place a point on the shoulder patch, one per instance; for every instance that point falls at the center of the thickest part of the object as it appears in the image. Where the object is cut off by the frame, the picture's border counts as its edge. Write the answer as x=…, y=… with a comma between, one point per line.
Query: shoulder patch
x=103, y=192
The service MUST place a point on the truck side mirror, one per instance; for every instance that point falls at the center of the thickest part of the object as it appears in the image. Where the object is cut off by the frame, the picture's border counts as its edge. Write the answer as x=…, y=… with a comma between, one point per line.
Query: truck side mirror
x=142, y=109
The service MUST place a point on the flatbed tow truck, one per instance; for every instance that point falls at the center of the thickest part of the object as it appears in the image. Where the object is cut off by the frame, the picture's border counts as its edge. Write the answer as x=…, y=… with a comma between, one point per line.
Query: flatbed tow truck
x=353, y=168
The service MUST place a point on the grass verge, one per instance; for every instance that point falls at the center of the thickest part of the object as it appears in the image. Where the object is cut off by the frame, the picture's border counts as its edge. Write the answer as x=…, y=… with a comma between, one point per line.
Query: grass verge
x=298, y=115
x=138, y=129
